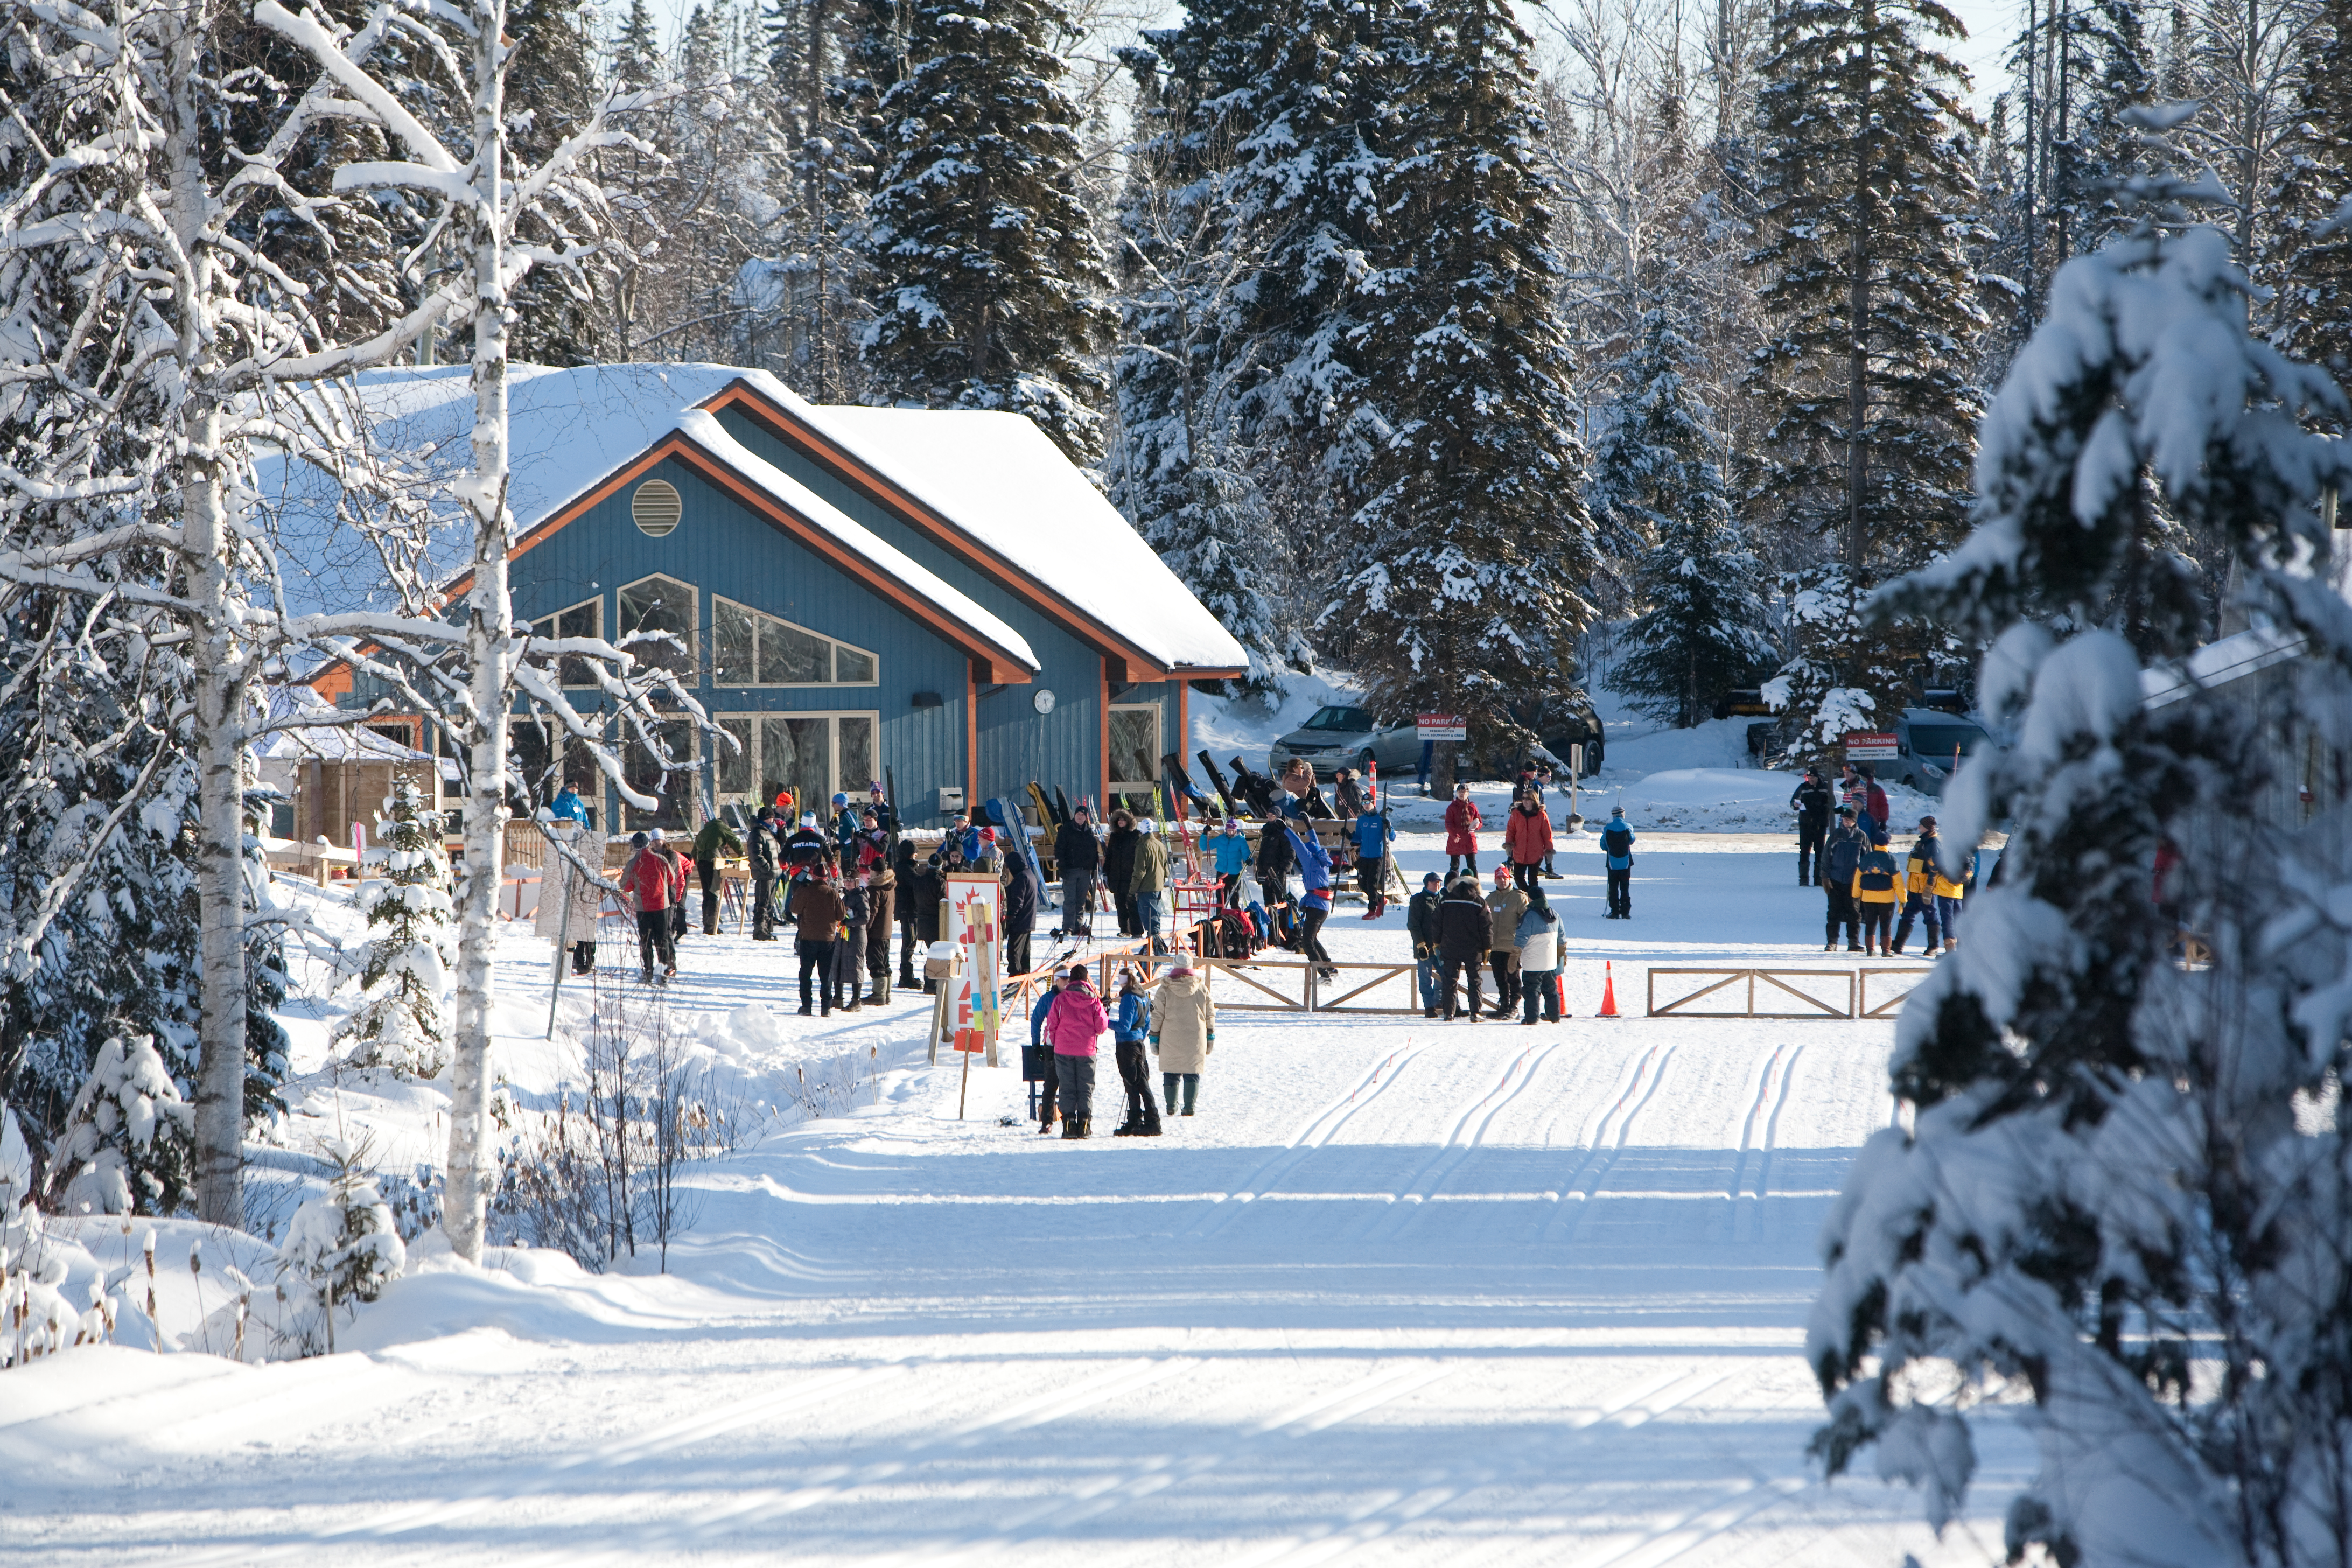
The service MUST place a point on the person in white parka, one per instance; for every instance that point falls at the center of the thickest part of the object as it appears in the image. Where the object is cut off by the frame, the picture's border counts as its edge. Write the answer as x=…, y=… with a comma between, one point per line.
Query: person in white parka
x=587, y=896
x=1539, y=957
x=1183, y=1032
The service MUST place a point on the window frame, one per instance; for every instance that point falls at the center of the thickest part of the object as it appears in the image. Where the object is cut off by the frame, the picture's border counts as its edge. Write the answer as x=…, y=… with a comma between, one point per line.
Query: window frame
x=685, y=780
x=693, y=616
x=752, y=798
x=834, y=645
x=1117, y=786
x=553, y=622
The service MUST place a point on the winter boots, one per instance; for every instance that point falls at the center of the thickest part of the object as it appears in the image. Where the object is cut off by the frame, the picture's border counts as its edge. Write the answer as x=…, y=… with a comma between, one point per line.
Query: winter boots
x=1076, y=1126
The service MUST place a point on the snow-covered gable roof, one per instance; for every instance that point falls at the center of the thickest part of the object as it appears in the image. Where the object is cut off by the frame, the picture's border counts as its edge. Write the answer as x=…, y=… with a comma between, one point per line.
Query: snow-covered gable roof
x=2218, y=663
x=571, y=430
x=1005, y=485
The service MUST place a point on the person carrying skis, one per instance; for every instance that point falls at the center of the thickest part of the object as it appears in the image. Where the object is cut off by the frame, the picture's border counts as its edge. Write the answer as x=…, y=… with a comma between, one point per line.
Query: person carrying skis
x=1617, y=854
x=1812, y=803
x=1373, y=835
x=1020, y=911
x=1526, y=839
x=1314, y=903
x=716, y=838
x=1073, y=1025
x=1877, y=884
x=1421, y=926
x=1347, y=794
x=1077, y=856
x=1461, y=825
x=1129, y=1031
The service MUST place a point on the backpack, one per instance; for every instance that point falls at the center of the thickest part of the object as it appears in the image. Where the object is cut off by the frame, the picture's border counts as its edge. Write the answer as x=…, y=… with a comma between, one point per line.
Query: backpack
x=1617, y=843
x=1878, y=879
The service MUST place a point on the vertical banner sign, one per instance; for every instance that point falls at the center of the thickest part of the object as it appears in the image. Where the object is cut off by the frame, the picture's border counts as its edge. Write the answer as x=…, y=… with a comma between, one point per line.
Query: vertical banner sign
x=975, y=925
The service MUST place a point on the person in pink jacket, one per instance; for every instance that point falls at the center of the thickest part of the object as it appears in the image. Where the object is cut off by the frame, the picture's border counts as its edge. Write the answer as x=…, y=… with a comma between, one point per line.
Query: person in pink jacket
x=1527, y=840
x=1075, y=1023
x=1461, y=825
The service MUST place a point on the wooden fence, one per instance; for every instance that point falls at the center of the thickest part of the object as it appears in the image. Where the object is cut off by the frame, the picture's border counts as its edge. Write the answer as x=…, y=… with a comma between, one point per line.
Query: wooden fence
x=1848, y=989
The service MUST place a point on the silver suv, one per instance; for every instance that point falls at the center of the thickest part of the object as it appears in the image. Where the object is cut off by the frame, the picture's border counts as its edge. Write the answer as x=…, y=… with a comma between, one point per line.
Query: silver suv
x=1932, y=742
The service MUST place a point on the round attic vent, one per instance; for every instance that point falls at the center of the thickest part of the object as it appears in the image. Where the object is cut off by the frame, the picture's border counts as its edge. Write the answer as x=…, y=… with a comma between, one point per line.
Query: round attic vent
x=656, y=507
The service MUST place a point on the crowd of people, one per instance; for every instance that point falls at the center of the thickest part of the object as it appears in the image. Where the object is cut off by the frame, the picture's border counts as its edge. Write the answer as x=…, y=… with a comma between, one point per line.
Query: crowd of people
x=1843, y=835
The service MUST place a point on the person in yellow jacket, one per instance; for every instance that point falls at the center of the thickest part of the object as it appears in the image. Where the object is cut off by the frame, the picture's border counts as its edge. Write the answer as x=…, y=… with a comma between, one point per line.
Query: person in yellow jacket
x=1877, y=887
x=1920, y=875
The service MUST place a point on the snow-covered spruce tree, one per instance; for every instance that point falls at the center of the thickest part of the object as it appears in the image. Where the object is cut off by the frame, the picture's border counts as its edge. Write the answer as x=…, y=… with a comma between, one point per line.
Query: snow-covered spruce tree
x=989, y=289
x=1870, y=294
x=338, y=1248
x=1655, y=470
x=2128, y=1190
x=1463, y=592
x=1181, y=470
x=2313, y=264
x=129, y=1138
x=402, y=1021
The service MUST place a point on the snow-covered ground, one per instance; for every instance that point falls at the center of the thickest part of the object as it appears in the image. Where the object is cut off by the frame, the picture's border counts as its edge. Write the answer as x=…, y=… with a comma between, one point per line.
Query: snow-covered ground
x=1401, y=1292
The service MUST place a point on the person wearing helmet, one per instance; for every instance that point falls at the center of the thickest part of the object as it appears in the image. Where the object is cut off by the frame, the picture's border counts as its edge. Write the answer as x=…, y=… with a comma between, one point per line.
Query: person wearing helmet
x=1617, y=853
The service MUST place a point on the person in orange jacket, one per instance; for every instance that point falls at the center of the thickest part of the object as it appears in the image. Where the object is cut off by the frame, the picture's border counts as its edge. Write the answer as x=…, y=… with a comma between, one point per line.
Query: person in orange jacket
x=1461, y=825
x=1527, y=840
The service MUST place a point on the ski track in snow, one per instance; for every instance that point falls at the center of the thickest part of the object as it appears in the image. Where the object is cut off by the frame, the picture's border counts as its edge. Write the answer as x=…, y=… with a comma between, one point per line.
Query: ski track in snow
x=1400, y=1293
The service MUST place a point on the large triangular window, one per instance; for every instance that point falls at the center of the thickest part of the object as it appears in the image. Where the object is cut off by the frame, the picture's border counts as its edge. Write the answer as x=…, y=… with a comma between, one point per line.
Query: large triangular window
x=749, y=649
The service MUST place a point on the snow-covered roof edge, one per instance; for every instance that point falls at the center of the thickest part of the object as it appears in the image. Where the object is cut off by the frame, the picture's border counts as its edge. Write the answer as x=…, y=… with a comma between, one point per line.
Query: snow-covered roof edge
x=1216, y=650
x=2218, y=663
x=705, y=431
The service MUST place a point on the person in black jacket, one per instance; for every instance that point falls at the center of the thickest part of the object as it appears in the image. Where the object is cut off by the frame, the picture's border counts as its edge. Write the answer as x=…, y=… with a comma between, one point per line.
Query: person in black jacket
x=907, y=898
x=1839, y=861
x=1811, y=802
x=1465, y=930
x=1421, y=925
x=927, y=888
x=1119, y=869
x=1020, y=913
x=1275, y=860
x=1078, y=854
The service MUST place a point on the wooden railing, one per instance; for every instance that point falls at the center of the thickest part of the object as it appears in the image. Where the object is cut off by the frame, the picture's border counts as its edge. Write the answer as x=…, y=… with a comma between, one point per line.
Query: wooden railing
x=1851, y=989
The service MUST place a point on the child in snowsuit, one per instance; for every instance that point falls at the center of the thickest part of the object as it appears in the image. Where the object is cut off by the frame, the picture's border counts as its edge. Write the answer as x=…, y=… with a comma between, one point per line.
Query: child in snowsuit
x=1129, y=1031
x=1877, y=884
x=1617, y=848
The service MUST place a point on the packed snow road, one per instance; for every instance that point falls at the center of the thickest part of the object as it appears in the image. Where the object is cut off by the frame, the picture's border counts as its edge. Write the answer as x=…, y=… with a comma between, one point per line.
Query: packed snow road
x=1401, y=1292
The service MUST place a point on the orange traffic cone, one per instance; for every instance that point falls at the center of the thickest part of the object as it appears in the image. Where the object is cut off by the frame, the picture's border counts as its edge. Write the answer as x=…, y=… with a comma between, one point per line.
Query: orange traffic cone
x=1607, y=993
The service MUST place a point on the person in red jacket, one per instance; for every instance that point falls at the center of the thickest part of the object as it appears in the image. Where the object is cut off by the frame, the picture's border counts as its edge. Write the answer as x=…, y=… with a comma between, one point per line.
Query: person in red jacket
x=1527, y=840
x=652, y=885
x=1461, y=825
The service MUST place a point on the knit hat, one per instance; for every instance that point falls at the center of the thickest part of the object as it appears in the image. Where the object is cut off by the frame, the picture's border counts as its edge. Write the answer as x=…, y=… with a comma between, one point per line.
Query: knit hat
x=1616, y=811
x=839, y=798
x=1432, y=877
x=637, y=841
x=1148, y=826
x=1502, y=876
x=808, y=819
x=1926, y=822
x=657, y=836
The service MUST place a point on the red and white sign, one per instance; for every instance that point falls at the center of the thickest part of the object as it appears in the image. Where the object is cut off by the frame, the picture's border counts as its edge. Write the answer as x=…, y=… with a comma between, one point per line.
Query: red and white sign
x=974, y=924
x=1441, y=727
x=1870, y=746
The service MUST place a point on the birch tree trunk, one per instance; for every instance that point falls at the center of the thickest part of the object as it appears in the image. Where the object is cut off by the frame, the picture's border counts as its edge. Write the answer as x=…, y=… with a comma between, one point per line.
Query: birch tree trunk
x=490, y=650
x=218, y=660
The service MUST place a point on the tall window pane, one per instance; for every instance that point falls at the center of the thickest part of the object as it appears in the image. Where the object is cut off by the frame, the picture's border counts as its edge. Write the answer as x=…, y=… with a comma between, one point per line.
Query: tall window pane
x=661, y=605
x=857, y=770
x=734, y=763
x=672, y=787
x=730, y=633
x=789, y=656
x=1134, y=747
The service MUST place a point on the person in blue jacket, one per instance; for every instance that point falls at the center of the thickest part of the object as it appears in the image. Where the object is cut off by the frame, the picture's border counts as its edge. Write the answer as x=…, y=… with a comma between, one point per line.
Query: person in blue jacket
x=1130, y=1028
x=568, y=806
x=1617, y=849
x=1373, y=836
x=1232, y=848
x=1314, y=903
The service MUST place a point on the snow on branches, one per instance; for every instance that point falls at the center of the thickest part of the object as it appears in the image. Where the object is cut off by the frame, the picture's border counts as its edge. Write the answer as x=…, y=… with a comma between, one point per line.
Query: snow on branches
x=400, y=1022
x=128, y=1139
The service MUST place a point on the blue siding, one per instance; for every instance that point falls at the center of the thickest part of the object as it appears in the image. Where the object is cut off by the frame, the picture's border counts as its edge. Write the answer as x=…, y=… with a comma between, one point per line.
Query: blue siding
x=721, y=546
x=1015, y=745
